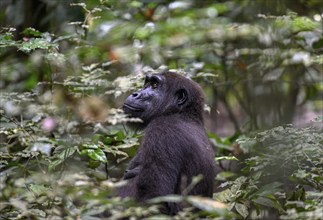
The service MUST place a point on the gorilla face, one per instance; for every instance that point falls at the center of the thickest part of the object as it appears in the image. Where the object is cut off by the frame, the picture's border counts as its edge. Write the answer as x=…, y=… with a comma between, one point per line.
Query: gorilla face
x=154, y=99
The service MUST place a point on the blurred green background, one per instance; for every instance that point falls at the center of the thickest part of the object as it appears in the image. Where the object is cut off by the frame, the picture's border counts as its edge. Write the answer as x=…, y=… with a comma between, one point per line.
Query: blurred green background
x=66, y=66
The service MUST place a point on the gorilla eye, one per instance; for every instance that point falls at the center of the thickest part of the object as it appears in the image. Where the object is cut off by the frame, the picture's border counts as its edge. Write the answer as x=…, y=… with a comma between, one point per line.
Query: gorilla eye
x=154, y=85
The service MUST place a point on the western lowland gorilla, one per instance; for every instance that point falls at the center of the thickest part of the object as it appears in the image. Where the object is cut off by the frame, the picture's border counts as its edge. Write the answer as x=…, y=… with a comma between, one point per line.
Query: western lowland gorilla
x=175, y=146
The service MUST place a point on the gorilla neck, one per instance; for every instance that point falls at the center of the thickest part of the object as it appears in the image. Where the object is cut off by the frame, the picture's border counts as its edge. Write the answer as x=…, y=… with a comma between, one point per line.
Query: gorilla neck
x=179, y=117
x=190, y=118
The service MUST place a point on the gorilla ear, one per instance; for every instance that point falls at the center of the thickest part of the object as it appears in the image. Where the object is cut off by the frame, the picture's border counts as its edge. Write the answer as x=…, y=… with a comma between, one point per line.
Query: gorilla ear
x=181, y=96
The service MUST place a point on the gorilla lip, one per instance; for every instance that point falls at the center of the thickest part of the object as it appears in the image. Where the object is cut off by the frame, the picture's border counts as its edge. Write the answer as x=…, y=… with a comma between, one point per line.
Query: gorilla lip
x=132, y=108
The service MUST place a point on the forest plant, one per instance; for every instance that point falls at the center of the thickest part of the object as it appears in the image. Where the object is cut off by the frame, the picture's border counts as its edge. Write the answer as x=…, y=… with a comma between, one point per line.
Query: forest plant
x=284, y=172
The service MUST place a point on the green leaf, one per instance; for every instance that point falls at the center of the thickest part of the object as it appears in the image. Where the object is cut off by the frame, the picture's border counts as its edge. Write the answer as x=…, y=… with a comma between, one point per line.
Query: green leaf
x=168, y=198
x=142, y=33
x=221, y=8
x=304, y=24
x=208, y=205
x=32, y=31
x=267, y=202
x=67, y=152
x=247, y=144
x=95, y=154
x=226, y=158
x=129, y=142
x=6, y=40
x=225, y=195
x=318, y=44
x=242, y=209
x=36, y=43
x=219, y=143
x=54, y=163
x=296, y=24
x=31, y=82
x=270, y=188
x=37, y=212
x=119, y=136
x=38, y=189
x=61, y=157
x=6, y=36
x=94, y=163
x=206, y=75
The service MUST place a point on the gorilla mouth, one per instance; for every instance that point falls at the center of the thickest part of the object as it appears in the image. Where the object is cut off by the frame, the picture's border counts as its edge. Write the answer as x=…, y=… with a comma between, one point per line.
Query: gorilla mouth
x=132, y=108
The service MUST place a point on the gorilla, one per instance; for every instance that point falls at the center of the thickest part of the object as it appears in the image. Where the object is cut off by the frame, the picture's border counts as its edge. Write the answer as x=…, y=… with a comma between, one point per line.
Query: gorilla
x=175, y=146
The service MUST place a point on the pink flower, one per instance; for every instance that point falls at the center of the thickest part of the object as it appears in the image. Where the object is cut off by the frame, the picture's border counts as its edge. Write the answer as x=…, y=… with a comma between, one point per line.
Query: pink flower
x=48, y=124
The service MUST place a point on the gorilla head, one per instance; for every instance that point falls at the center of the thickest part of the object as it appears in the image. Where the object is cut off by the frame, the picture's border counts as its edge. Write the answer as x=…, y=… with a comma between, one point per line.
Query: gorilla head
x=165, y=94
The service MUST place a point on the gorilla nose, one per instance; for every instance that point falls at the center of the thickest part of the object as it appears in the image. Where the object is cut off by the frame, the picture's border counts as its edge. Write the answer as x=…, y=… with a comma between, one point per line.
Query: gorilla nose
x=142, y=96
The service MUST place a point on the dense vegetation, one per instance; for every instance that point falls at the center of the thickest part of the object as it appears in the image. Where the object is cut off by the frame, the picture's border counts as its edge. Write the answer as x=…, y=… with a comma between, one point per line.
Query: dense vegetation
x=66, y=67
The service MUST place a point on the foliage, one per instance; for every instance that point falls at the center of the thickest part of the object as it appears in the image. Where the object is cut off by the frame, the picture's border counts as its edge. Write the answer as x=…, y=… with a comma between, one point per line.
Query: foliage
x=63, y=144
x=283, y=173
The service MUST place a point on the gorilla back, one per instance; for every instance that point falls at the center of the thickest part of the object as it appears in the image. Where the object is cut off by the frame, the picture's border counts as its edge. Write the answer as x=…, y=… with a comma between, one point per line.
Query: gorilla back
x=175, y=147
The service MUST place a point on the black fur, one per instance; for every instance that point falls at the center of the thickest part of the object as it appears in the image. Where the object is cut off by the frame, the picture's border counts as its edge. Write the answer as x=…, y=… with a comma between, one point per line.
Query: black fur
x=175, y=146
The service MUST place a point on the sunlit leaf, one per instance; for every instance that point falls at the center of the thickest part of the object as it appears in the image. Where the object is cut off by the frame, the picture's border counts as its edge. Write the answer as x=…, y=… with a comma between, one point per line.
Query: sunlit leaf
x=209, y=205
x=226, y=158
x=242, y=209
x=95, y=154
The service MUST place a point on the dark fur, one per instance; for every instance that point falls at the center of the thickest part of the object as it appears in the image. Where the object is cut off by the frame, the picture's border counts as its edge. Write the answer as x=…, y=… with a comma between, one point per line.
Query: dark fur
x=175, y=146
